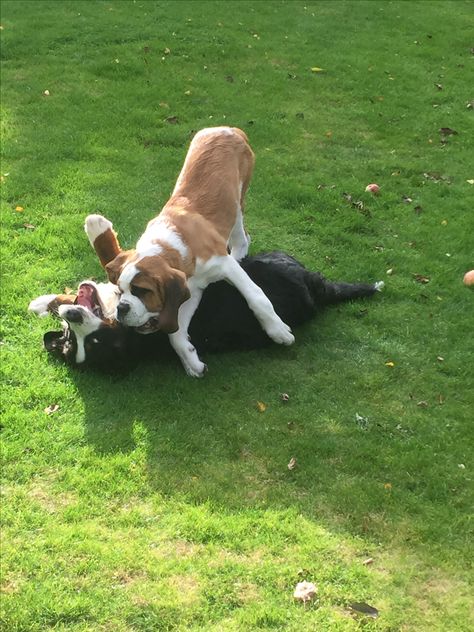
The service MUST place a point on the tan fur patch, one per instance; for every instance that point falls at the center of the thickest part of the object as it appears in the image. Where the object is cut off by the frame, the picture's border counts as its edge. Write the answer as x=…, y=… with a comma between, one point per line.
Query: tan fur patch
x=107, y=246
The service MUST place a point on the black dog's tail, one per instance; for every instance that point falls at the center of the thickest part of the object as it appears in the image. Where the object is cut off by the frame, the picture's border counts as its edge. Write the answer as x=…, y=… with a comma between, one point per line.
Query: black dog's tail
x=326, y=292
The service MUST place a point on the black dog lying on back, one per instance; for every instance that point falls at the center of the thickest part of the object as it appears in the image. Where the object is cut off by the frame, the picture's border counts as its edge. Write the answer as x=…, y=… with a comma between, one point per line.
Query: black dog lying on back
x=223, y=321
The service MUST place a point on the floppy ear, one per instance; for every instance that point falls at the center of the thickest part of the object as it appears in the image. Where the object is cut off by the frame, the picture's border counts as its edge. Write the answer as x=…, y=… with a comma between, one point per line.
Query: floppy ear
x=115, y=267
x=176, y=292
x=54, y=341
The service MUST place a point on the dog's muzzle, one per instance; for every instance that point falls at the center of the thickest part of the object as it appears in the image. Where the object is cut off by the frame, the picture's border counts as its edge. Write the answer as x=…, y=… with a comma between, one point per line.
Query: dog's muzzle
x=73, y=315
x=122, y=310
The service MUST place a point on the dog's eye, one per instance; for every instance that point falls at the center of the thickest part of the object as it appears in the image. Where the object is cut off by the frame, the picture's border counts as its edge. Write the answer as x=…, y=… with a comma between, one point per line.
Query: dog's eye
x=139, y=292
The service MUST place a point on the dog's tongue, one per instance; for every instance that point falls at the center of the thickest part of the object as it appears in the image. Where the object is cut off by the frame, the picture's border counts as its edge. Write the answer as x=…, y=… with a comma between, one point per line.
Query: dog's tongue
x=87, y=297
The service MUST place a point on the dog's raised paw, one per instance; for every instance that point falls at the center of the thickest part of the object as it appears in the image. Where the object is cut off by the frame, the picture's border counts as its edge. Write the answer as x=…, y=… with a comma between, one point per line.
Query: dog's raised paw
x=379, y=286
x=40, y=305
x=96, y=225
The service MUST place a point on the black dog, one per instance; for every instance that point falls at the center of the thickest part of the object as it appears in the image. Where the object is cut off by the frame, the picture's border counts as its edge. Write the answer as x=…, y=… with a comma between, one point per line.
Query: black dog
x=223, y=321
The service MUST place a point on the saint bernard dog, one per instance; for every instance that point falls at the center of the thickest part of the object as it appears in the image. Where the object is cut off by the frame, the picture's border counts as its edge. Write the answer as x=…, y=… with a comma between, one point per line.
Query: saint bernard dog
x=197, y=239
x=92, y=338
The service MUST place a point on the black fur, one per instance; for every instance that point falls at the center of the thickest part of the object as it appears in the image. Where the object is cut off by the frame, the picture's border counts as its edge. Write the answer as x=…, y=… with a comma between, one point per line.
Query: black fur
x=223, y=321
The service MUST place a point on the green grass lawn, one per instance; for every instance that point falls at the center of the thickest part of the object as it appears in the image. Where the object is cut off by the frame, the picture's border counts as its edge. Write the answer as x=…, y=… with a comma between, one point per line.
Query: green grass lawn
x=159, y=502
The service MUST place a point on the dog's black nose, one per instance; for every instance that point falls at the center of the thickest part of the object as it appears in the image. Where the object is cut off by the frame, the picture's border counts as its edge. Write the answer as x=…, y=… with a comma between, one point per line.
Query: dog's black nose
x=73, y=315
x=122, y=310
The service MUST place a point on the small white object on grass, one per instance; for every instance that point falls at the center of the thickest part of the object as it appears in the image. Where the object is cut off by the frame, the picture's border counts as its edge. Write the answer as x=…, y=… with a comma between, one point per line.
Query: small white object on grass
x=305, y=591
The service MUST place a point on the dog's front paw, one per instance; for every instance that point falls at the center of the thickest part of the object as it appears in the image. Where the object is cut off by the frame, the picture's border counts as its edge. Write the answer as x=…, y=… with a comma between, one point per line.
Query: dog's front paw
x=281, y=334
x=199, y=369
x=96, y=225
x=40, y=305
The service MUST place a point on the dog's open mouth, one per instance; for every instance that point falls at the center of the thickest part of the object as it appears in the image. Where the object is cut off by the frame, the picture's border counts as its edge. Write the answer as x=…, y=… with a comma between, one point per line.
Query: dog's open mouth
x=87, y=296
x=150, y=326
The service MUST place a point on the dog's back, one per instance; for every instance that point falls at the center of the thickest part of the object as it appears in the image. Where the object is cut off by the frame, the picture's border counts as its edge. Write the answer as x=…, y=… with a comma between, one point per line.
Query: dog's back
x=224, y=320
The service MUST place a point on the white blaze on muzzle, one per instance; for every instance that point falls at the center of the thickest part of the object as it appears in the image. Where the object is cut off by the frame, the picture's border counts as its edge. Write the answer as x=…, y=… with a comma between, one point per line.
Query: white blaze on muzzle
x=138, y=314
x=83, y=322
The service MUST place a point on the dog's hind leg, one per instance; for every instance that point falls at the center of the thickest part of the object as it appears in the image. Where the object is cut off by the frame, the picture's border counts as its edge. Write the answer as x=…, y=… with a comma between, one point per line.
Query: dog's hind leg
x=239, y=240
x=258, y=302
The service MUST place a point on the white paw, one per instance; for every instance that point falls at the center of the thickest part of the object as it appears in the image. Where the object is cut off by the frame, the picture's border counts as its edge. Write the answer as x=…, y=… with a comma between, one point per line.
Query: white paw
x=379, y=286
x=281, y=333
x=40, y=305
x=96, y=225
x=198, y=369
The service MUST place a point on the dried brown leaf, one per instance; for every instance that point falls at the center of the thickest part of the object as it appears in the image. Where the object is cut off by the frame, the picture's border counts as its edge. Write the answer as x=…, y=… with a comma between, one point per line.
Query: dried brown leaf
x=52, y=408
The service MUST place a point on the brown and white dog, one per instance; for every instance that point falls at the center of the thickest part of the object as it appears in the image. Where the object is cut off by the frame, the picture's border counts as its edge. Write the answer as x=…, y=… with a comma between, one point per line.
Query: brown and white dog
x=186, y=247
x=92, y=338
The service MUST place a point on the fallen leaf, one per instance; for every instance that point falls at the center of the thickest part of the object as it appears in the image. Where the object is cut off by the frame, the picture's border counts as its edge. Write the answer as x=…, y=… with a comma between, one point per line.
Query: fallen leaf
x=388, y=486
x=292, y=464
x=441, y=399
x=439, y=86
x=19, y=209
x=167, y=51
x=422, y=404
x=49, y=410
x=304, y=591
x=29, y=226
x=470, y=181
x=284, y=397
x=316, y=69
x=368, y=561
x=440, y=359
x=187, y=93
x=436, y=177
x=447, y=131
x=172, y=120
x=389, y=272
x=444, y=222
x=362, y=422
x=407, y=199
x=390, y=364
x=46, y=93
x=261, y=407
x=421, y=278
x=364, y=608
x=461, y=466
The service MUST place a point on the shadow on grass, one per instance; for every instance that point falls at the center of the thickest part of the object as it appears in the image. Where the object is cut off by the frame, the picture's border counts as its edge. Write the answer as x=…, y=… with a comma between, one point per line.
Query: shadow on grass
x=206, y=441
